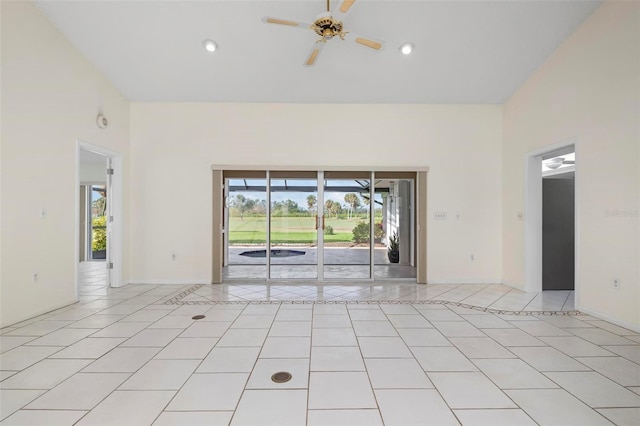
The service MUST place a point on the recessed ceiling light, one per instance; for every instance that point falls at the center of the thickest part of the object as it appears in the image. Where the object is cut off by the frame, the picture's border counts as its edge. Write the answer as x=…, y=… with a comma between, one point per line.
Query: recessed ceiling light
x=406, y=48
x=210, y=45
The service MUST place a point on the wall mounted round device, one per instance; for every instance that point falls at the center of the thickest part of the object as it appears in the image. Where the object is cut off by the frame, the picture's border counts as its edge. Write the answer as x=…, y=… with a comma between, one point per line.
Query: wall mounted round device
x=102, y=121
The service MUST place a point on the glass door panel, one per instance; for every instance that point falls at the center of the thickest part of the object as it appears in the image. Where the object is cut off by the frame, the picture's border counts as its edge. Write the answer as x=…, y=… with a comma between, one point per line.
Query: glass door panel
x=98, y=222
x=394, y=258
x=347, y=230
x=246, y=228
x=293, y=226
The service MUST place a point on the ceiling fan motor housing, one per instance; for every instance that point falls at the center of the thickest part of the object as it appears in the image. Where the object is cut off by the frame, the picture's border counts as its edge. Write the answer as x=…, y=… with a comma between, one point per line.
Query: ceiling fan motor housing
x=327, y=27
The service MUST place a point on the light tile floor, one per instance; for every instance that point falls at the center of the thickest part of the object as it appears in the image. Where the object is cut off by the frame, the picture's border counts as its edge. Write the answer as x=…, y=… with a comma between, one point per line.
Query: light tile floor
x=360, y=354
x=92, y=276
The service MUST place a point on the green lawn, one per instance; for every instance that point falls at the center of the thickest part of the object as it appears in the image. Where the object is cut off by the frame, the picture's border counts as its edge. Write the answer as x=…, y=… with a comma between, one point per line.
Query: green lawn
x=252, y=230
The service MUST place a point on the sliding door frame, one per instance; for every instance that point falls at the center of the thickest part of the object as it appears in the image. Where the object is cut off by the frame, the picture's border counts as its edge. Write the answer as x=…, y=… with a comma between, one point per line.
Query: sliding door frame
x=220, y=223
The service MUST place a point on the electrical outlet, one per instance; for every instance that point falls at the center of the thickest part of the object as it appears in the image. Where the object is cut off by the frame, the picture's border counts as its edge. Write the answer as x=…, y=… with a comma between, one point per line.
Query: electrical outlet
x=473, y=257
x=440, y=215
x=173, y=256
x=35, y=277
x=616, y=283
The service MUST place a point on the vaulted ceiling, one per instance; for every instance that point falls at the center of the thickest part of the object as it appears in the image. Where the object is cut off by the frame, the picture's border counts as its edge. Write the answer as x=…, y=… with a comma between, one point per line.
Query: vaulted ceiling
x=465, y=51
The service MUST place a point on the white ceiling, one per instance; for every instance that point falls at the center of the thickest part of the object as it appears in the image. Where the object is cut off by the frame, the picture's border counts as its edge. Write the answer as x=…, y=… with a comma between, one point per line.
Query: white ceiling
x=466, y=51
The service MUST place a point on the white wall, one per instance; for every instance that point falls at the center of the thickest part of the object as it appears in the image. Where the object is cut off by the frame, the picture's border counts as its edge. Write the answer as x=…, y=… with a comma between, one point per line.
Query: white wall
x=50, y=98
x=173, y=146
x=589, y=89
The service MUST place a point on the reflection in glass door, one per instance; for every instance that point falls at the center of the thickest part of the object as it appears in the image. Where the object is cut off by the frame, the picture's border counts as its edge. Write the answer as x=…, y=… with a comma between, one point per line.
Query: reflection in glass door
x=347, y=232
x=293, y=228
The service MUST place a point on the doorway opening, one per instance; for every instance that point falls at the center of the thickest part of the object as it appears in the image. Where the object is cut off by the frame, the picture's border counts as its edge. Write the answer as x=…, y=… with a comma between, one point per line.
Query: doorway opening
x=316, y=225
x=99, y=223
x=558, y=222
x=551, y=222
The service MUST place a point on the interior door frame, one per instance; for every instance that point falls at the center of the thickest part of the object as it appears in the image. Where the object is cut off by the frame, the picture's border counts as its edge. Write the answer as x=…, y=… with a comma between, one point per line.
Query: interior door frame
x=218, y=200
x=115, y=275
x=533, y=216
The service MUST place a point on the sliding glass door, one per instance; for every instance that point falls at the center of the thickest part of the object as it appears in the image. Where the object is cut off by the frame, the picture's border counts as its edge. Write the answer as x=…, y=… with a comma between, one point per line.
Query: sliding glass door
x=246, y=225
x=347, y=231
x=293, y=225
x=317, y=225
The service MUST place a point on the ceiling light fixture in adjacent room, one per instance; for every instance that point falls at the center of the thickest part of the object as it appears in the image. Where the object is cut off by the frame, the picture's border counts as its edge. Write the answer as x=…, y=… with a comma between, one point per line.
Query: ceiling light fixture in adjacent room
x=406, y=48
x=210, y=45
x=557, y=162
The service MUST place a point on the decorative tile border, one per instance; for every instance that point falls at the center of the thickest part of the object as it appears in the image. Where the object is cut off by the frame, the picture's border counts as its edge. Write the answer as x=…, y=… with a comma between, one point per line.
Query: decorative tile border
x=177, y=300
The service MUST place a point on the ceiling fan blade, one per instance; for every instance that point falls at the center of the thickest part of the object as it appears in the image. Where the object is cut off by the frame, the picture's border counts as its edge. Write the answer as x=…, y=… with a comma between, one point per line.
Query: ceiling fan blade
x=312, y=57
x=285, y=22
x=369, y=42
x=342, y=9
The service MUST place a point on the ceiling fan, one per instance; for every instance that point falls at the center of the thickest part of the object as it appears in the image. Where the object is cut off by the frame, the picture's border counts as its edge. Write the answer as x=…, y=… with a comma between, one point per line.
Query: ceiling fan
x=328, y=25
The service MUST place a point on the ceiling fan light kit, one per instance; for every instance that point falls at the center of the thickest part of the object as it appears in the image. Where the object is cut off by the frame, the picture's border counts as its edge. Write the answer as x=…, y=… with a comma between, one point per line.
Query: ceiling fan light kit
x=328, y=25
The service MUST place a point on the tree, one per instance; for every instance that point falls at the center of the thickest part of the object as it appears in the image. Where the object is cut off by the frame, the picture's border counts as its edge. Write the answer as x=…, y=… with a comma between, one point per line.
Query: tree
x=328, y=205
x=260, y=208
x=311, y=202
x=243, y=204
x=291, y=206
x=335, y=208
x=332, y=207
x=352, y=200
x=100, y=206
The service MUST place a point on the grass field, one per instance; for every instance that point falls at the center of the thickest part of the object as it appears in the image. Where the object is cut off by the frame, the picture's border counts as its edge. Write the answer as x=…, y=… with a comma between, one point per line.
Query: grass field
x=297, y=230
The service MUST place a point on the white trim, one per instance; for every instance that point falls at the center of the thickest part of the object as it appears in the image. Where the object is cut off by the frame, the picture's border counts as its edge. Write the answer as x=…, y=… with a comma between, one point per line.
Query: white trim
x=533, y=216
x=225, y=233
x=319, y=229
x=324, y=168
x=465, y=282
x=117, y=209
x=533, y=224
x=372, y=225
x=204, y=281
x=576, y=232
x=612, y=320
x=267, y=240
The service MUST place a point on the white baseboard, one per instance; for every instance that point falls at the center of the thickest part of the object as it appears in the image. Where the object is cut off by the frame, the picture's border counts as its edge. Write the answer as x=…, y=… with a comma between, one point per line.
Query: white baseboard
x=514, y=285
x=464, y=281
x=44, y=311
x=618, y=322
x=172, y=282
